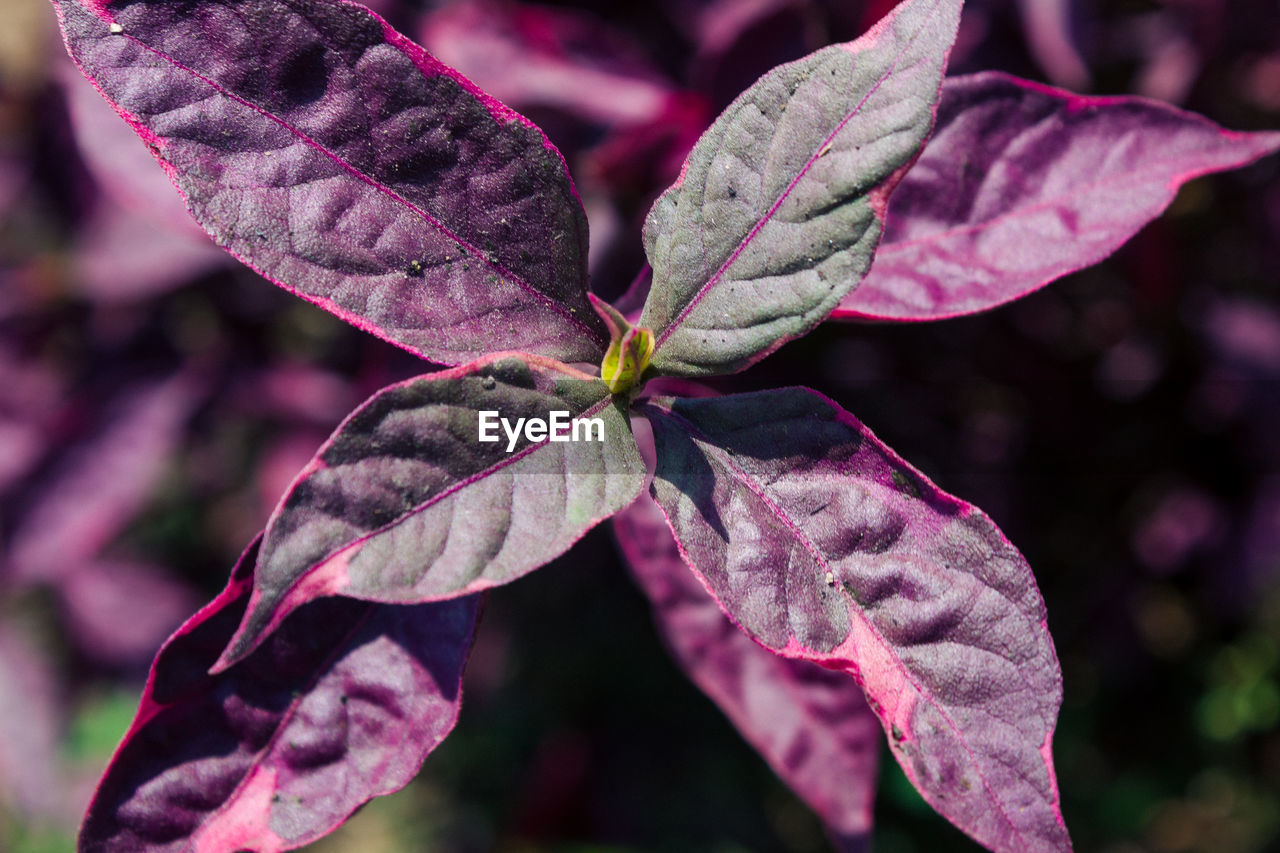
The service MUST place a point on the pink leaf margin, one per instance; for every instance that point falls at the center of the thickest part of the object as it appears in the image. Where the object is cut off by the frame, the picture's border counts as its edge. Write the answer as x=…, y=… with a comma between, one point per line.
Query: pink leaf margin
x=813, y=726
x=424, y=61
x=935, y=265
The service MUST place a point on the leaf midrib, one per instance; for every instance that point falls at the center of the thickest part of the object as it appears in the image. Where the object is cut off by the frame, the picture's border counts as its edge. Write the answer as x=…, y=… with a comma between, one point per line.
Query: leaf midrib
x=855, y=612
x=436, y=498
x=356, y=173
x=759, y=225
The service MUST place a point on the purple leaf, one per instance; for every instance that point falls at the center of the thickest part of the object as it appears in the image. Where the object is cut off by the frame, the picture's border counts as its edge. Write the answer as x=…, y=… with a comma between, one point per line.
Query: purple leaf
x=102, y=485
x=824, y=545
x=30, y=397
x=539, y=57
x=405, y=503
x=30, y=720
x=1050, y=31
x=118, y=613
x=121, y=255
x=1021, y=184
x=812, y=725
x=119, y=160
x=340, y=705
x=343, y=162
x=780, y=204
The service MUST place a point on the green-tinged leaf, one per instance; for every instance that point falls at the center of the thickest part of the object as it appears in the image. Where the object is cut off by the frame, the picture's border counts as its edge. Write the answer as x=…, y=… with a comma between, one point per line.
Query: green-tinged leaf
x=781, y=202
x=405, y=502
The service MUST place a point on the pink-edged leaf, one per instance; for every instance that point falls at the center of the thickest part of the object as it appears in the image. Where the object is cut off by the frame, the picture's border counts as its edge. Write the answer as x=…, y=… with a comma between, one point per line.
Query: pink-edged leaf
x=119, y=160
x=104, y=483
x=781, y=202
x=812, y=725
x=404, y=502
x=342, y=704
x=346, y=164
x=823, y=545
x=1022, y=184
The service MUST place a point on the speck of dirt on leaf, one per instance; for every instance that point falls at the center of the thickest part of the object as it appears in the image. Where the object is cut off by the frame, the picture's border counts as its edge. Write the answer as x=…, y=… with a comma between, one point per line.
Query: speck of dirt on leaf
x=897, y=732
x=115, y=29
x=904, y=484
x=489, y=383
x=831, y=578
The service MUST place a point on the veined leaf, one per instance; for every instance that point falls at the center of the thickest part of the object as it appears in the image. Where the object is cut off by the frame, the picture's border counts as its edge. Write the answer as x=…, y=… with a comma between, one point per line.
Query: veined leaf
x=346, y=164
x=1021, y=184
x=404, y=502
x=823, y=545
x=781, y=202
x=340, y=705
x=812, y=725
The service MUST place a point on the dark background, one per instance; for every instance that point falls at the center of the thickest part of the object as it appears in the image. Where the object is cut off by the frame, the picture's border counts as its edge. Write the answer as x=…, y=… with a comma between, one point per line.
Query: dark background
x=1122, y=426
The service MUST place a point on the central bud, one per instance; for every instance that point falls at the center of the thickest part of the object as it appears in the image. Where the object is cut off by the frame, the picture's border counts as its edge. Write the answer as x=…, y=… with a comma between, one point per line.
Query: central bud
x=630, y=348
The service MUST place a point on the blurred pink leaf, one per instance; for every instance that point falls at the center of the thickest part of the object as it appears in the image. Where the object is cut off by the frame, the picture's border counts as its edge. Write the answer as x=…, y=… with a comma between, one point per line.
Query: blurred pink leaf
x=30, y=394
x=30, y=725
x=299, y=392
x=536, y=56
x=119, y=613
x=1049, y=28
x=99, y=487
x=122, y=255
x=539, y=58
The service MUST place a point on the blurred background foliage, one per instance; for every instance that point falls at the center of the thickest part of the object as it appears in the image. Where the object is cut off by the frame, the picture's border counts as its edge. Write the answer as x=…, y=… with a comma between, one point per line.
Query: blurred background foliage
x=1122, y=426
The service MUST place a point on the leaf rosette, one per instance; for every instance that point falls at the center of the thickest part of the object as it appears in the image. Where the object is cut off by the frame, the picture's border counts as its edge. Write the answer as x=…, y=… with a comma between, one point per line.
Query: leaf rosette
x=780, y=536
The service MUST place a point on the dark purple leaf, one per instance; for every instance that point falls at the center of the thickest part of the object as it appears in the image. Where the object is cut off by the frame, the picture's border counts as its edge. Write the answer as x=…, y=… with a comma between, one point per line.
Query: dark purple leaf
x=340, y=705
x=405, y=503
x=812, y=725
x=1021, y=184
x=824, y=545
x=343, y=162
x=100, y=486
x=780, y=204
